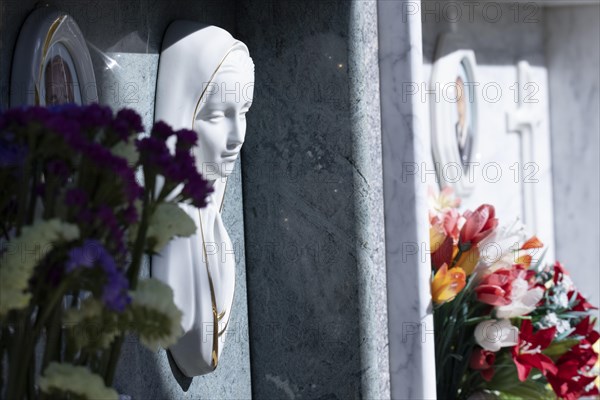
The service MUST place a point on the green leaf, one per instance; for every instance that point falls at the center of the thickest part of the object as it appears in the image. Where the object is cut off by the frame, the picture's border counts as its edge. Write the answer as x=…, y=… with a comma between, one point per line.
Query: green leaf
x=530, y=390
x=557, y=349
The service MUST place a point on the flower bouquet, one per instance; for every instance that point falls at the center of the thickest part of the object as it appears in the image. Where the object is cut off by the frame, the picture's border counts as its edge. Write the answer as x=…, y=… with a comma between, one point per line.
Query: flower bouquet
x=506, y=325
x=75, y=225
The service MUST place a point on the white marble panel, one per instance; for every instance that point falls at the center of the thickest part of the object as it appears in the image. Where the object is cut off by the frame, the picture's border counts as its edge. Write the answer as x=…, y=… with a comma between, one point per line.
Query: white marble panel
x=405, y=147
x=573, y=53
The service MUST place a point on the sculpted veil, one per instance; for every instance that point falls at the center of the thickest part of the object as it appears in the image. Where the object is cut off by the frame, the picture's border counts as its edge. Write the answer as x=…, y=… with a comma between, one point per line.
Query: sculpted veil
x=205, y=83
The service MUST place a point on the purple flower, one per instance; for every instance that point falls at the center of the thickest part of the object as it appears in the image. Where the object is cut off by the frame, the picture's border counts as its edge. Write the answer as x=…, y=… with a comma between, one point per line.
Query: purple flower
x=96, y=116
x=197, y=189
x=59, y=168
x=76, y=197
x=178, y=168
x=102, y=157
x=161, y=130
x=11, y=154
x=84, y=256
x=187, y=137
x=115, y=291
x=108, y=219
x=131, y=120
x=93, y=255
x=130, y=215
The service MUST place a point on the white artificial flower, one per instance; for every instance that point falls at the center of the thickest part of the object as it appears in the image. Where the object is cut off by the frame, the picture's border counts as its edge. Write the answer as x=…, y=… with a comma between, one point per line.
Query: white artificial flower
x=497, y=250
x=550, y=320
x=66, y=380
x=494, y=334
x=523, y=300
x=560, y=300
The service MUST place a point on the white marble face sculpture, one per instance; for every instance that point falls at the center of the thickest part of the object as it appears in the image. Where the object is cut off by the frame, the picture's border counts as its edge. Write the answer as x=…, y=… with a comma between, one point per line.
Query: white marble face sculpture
x=205, y=83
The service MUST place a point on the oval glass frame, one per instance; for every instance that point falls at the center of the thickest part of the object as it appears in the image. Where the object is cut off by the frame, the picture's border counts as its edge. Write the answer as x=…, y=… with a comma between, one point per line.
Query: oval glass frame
x=51, y=45
x=454, y=116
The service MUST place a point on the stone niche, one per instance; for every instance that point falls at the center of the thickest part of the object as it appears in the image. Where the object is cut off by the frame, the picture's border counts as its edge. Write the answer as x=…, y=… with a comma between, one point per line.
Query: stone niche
x=541, y=170
x=124, y=38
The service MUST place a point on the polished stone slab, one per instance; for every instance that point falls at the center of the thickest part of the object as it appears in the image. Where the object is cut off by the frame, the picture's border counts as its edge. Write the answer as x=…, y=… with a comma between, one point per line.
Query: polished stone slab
x=313, y=203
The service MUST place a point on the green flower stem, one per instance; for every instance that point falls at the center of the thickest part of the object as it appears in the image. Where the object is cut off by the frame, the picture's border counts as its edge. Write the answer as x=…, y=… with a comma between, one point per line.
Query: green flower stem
x=3, y=345
x=22, y=197
x=24, y=346
x=55, y=298
x=133, y=274
x=32, y=196
x=476, y=320
x=20, y=356
x=457, y=258
x=31, y=376
x=53, y=342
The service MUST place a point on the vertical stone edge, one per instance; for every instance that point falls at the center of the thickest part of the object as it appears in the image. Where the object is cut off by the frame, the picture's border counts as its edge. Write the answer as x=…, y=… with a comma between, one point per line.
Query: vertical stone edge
x=368, y=183
x=404, y=146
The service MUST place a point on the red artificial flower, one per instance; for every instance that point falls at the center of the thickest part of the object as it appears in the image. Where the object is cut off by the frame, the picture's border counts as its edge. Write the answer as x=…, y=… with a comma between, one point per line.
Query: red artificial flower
x=585, y=328
x=478, y=225
x=443, y=255
x=569, y=384
x=494, y=289
x=483, y=361
x=451, y=222
x=582, y=304
x=527, y=353
x=559, y=272
x=573, y=379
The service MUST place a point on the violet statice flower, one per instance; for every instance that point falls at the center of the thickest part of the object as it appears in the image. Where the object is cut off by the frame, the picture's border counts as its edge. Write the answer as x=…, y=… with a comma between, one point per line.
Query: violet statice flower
x=161, y=130
x=84, y=256
x=107, y=218
x=22, y=116
x=96, y=116
x=102, y=157
x=12, y=154
x=197, y=189
x=186, y=138
x=76, y=197
x=127, y=122
x=93, y=254
x=178, y=168
x=58, y=168
x=68, y=129
x=130, y=214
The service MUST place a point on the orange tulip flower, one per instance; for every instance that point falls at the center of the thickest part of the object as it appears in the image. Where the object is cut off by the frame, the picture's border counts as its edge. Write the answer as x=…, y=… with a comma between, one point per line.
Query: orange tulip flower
x=447, y=283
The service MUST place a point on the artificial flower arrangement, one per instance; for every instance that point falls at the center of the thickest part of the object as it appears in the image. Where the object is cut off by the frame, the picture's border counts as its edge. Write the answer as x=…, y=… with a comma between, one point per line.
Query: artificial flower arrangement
x=506, y=325
x=75, y=225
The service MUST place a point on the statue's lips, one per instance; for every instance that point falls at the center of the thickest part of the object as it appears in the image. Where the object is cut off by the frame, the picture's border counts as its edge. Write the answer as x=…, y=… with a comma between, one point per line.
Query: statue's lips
x=229, y=156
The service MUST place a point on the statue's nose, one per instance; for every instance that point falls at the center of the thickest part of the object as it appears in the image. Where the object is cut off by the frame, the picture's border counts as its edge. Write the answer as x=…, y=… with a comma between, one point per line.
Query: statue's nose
x=236, y=135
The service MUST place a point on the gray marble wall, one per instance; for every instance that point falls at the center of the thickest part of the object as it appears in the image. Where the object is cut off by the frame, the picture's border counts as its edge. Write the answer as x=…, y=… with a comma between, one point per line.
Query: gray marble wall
x=124, y=37
x=313, y=202
x=573, y=56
